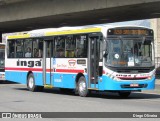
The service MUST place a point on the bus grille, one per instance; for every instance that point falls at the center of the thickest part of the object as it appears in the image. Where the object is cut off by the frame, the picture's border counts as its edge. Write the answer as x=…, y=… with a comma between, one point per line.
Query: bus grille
x=133, y=78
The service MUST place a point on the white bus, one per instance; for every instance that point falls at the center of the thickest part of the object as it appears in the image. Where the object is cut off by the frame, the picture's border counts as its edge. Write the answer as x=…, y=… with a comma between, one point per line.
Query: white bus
x=117, y=59
x=2, y=61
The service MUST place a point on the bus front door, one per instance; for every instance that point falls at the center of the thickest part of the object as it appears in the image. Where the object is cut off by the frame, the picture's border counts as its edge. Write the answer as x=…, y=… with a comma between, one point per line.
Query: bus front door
x=47, y=63
x=93, y=60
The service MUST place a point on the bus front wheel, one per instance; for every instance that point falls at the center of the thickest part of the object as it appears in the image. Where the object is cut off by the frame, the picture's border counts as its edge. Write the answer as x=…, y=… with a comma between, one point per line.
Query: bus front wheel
x=124, y=94
x=82, y=87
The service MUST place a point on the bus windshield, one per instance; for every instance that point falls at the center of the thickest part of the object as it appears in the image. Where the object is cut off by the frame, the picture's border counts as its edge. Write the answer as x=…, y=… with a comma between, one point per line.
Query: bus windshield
x=130, y=52
x=2, y=56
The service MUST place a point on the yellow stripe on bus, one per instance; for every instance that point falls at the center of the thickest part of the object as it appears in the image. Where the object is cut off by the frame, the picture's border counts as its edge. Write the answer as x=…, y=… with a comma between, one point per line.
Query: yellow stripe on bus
x=19, y=36
x=51, y=33
x=88, y=30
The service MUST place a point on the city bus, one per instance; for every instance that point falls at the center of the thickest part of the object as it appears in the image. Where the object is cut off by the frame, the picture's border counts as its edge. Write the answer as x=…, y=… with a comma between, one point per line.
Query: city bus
x=84, y=59
x=2, y=62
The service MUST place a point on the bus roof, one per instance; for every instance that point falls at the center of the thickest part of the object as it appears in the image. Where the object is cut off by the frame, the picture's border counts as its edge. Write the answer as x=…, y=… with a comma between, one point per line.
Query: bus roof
x=54, y=31
x=67, y=31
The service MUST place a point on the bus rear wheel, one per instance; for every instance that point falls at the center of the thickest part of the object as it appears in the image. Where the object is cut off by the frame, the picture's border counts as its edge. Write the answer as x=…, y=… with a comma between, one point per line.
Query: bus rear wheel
x=124, y=94
x=31, y=84
x=82, y=87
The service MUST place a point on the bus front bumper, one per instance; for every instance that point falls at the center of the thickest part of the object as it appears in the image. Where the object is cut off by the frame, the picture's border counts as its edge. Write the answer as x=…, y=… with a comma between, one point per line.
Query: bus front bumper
x=133, y=85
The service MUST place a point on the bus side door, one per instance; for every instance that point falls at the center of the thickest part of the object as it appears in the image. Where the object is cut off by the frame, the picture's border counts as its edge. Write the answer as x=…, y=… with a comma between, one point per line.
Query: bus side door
x=94, y=59
x=47, y=62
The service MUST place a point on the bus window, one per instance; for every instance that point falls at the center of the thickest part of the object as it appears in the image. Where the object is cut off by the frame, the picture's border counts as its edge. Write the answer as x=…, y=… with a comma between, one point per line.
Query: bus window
x=2, y=61
x=81, y=46
x=37, y=48
x=60, y=46
x=70, y=46
x=49, y=46
x=2, y=55
x=11, y=46
x=19, y=48
x=28, y=47
x=40, y=48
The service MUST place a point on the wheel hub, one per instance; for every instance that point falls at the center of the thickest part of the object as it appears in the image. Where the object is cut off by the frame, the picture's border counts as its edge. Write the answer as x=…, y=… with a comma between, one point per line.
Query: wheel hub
x=31, y=82
x=82, y=86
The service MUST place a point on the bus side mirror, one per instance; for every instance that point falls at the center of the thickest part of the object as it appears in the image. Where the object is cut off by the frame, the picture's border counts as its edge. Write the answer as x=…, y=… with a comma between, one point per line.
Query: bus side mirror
x=105, y=54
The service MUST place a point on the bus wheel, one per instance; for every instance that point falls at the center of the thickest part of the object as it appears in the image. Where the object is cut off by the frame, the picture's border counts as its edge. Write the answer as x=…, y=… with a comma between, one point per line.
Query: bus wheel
x=124, y=94
x=82, y=87
x=31, y=83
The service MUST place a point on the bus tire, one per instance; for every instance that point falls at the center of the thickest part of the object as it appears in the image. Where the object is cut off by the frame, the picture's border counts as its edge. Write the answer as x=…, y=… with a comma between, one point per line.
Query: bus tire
x=124, y=94
x=82, y=87
x=31, y=83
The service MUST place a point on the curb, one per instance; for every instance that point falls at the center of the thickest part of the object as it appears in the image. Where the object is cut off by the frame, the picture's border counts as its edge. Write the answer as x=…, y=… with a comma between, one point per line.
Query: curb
x=157, y=82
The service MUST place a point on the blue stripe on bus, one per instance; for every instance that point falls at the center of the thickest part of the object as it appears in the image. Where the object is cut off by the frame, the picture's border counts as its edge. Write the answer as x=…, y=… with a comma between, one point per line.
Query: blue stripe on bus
x=60, y=80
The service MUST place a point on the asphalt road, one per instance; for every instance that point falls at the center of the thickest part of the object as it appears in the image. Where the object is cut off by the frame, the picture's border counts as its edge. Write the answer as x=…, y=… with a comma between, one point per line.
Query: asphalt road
x=16, y=98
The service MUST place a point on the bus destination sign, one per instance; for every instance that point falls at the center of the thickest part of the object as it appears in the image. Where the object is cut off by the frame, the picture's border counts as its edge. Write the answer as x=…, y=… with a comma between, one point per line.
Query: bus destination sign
x=130, y=32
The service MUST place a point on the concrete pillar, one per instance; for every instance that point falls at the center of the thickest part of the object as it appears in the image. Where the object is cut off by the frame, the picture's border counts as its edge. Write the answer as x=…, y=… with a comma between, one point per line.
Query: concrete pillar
x=154, y=25
x=158, y=37
x=0, y=37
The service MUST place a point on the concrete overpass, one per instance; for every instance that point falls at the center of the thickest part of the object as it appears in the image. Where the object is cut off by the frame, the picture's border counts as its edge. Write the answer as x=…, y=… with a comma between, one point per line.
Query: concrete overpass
x=22, y=15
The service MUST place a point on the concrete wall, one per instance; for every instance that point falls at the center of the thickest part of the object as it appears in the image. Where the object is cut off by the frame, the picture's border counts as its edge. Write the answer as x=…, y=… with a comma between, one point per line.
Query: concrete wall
x=155, y=25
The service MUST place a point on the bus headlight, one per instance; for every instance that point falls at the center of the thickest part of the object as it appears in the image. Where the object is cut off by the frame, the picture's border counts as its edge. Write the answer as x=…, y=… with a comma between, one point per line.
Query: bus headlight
x=150, y=77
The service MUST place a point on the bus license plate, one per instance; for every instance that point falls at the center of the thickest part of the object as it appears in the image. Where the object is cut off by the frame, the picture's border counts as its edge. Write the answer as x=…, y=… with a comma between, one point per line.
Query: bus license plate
x=134, y=85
